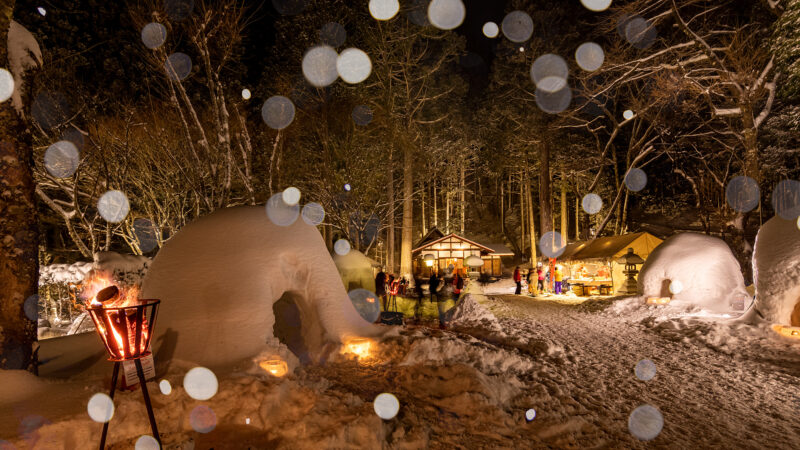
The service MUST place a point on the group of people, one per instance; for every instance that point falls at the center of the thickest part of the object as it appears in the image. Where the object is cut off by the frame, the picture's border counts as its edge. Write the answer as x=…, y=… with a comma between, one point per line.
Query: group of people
x=542, y=278
x=388, y=287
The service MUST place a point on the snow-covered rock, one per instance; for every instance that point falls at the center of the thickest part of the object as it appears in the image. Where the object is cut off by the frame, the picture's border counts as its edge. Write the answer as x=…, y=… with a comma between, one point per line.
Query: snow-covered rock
x=219, y=277
x=701, y=269
x=776, y=271
x=64, y=273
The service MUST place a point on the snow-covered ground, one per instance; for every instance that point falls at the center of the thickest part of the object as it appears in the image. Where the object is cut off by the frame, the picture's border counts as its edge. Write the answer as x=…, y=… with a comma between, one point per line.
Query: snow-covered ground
x=719, y=384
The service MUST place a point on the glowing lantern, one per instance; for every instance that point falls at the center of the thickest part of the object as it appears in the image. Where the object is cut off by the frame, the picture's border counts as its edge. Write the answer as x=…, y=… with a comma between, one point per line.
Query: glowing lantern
x=359, y=347
x=429, y=259
x=658, y=300
x=275, y=367
x=787, y=331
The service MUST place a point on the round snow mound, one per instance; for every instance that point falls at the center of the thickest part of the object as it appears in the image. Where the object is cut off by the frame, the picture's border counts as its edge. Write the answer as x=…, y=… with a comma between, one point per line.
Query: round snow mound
x=704, y=267
x=776, y=264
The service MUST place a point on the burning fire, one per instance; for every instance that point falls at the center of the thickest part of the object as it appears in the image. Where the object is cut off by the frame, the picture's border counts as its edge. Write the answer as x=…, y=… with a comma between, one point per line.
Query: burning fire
x=358, y=346
x=100, y=291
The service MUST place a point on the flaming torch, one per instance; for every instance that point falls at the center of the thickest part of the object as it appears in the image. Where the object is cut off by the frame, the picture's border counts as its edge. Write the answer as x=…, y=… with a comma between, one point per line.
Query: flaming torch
x=124, y=324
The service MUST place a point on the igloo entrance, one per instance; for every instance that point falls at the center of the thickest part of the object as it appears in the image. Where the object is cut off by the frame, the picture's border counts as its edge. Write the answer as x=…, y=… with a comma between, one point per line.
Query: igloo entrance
x=288, y=326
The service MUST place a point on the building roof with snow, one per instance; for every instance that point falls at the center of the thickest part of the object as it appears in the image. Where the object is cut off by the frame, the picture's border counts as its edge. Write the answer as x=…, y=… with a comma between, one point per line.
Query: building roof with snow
x=611, y=247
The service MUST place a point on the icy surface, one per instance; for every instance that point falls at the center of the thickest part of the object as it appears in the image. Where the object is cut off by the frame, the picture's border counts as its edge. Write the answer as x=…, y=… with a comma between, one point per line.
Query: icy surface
x=219, y=277
x=776, y=270
x=705, y=267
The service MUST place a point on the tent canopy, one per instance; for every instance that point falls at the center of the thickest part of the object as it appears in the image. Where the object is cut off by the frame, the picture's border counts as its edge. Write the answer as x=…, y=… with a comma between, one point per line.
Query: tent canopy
x=611, y=247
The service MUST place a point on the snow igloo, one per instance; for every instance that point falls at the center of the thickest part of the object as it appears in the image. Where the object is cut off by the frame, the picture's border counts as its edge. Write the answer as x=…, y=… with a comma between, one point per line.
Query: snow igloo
x=231, y=281
x=701, y=269
x=776, y=272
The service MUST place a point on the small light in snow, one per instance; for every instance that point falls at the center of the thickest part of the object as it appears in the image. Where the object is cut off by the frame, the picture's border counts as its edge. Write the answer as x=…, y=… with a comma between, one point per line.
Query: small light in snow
x=383, y=9
x=247, y=420
x=246, y=94
x=530, y=415
x=319, y=65
x=165, y=387
x=42, y=11
x=203, y=419
x=645, y=370
x=100, y=408
x=291, y=196
x=517, y=26
x=347, y=187
x=113, y=206
x=147, y=442
x=490, y=30
x=636, y=179
x=596, y=5
x=675, y=287
x=386, y=406
x=446, y=14
x=281, y=213
x=353, y=65
x=200, y=383
x=645, y=422
x=628, y=114
x=341, y=247
x=6, y=85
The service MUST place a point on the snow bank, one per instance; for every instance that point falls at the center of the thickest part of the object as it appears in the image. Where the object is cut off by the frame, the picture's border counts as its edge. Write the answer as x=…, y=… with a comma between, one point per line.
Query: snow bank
x=475, y=353
x=776, y=270
x=704, y=266
x=64, y=273
x=469, y=313
x=219, y=277
x=125, y=269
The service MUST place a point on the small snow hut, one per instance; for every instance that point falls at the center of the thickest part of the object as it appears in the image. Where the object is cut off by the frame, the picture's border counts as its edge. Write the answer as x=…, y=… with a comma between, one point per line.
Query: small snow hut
x=776, y=269
x=593, y=264
x=357, y=270
x=454, y=249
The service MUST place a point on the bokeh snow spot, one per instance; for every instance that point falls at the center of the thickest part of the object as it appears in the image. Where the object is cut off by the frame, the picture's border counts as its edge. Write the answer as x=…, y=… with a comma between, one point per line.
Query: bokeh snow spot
x=178, y=9
x=596, y=5
x=61, y=159
x=6, y=85
x=278, y=112
x=362, y=115
x=645, y=422
x=552, y=244
x=386, y=406
x=332, y=34
x=200, y=383
x=383, y=9
x=100, y=408
x=313, y=213
x=154, y=35
x=291, y=196
x=490, y=30
x=592, y=203
x=530, y=415
x=742, y=193
x=635, y=179
x=786, y=199
x=147, y=442
x=627, y=114
x=319, y=65
x=446, y=14
x=517, y=26
x=675, y=287
x=554, y=102
x=353, y=65
x=549, y=72
x=289, y=7
x=640, y=32
x=145, y=233
x=178, y=66
x=645, y=370
x=589, y=56
x=113, y=206
x=165, y=387
x=280, y=213
x=203, y=419
x=366, y=303
x=246, y=94
x=341, y=247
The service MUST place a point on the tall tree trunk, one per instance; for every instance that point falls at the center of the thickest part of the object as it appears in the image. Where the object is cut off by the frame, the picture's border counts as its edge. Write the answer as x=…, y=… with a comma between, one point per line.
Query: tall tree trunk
x=435, y=206
x=447, y=209
x=577, y=217
x=744, y=248
x=19, y=239
x=422, y=208
x=408, y=213
x=522, y=203
x=390, y=239
x=545, y=193
x=462, y=189
x=564, y=229
x=531, y=220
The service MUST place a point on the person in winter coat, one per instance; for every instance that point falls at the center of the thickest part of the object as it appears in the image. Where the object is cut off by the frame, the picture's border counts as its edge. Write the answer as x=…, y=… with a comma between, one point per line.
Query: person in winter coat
x=530, y=280
x=559, y=278
x=458, y=286
x=433, y=286
x=380, y=288
x=518, y=280
x=540, y=274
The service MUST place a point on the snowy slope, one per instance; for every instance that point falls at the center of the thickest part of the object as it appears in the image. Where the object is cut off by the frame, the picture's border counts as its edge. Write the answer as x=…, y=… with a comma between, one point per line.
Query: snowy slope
x=219, y=277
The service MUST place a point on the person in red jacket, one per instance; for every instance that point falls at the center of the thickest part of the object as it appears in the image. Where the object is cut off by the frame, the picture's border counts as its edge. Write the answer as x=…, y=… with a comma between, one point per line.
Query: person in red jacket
x=518, y=280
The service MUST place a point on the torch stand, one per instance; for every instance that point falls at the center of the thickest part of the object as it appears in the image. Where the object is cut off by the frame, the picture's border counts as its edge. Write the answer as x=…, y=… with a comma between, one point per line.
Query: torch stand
x=145, y=394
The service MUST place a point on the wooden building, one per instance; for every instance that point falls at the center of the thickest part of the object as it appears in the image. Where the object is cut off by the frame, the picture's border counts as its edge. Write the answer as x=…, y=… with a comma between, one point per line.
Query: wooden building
x=454, y=249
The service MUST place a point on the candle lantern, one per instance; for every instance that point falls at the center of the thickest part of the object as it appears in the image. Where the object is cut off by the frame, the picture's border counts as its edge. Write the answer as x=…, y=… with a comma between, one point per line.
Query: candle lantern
x=126, y=331
x=275, y=367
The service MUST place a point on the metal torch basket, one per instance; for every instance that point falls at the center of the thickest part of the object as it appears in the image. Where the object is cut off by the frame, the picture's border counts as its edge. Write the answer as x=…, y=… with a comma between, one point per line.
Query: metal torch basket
x=126, y=332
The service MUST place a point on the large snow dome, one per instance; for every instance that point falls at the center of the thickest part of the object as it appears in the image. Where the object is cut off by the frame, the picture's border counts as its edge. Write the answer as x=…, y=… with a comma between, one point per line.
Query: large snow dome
x=776, y=270
x=705, y=270
x=356, y=270
x=225, y=278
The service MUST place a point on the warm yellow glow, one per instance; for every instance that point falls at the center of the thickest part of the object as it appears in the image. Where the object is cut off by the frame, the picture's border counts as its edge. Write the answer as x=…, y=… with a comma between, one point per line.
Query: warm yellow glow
x=275, y=367
x=359, y=347
x=429, y=262
x=790, y=332
x=657, y=300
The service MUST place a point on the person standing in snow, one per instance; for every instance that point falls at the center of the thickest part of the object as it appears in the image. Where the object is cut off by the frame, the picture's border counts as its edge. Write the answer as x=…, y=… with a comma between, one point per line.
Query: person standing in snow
x=380, y=288
x=530, y=279
x=559, y=278
x=433, y=286
x=518, y=280
x=540, y=275
x=458, y=285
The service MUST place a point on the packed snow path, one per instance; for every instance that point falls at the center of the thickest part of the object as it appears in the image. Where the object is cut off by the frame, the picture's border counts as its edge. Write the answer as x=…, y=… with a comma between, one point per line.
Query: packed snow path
x=708, y=398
